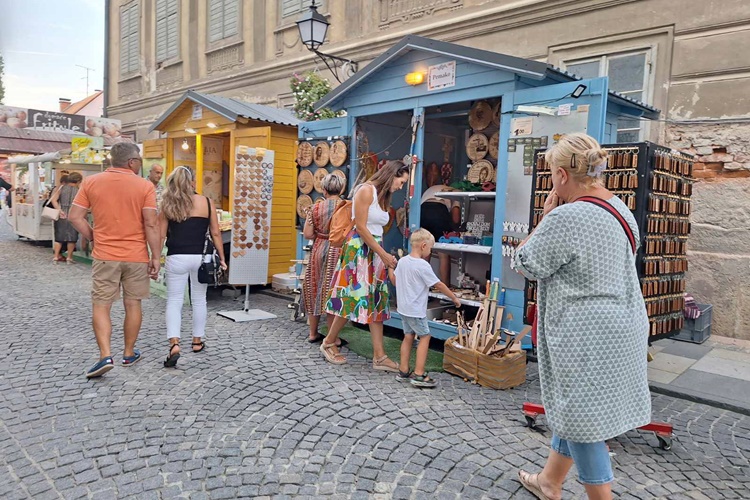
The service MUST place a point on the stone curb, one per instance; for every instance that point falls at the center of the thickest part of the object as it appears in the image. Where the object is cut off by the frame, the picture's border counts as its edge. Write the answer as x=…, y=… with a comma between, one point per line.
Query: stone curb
x=699, y=397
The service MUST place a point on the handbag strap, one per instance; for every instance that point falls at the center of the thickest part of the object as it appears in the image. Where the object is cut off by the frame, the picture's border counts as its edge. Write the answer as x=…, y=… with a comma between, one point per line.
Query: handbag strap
x=609, y=208
x=207, y=237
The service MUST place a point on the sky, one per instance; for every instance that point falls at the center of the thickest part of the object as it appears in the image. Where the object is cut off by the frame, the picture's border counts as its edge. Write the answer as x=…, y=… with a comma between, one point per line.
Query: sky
x=42, y=41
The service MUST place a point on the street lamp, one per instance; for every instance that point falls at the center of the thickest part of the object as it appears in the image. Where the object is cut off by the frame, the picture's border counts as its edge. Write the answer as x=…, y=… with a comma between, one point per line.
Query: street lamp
x=313, y=27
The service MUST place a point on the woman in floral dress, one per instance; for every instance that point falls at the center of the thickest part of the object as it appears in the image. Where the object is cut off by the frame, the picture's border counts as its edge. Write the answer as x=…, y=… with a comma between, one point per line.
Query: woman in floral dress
x=323, y=256
x=360, y=290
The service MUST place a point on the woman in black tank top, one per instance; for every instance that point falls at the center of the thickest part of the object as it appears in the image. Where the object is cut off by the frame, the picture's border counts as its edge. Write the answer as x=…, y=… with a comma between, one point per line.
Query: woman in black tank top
x=185, y=220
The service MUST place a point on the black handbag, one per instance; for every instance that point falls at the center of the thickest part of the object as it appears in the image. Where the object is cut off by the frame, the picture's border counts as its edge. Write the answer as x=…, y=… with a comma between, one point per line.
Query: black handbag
x=210, y=272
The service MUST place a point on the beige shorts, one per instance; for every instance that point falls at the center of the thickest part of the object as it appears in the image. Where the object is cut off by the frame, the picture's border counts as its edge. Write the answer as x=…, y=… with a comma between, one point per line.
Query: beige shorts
x=108, y=276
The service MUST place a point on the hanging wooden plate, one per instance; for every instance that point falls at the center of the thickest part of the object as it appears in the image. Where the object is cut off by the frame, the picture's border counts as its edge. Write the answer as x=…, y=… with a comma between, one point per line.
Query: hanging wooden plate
x=342, y=175
x=305, y=181
x=338, y=153
x=304, y=154
x=322, y=154
x=400, y=219
x=494, y=145
x=303, y=203
x=496, y=113
x=320, y=174
x=476, y=147
x=480, y=172
x=369, y=164
x=391, y=219
x=480, y=115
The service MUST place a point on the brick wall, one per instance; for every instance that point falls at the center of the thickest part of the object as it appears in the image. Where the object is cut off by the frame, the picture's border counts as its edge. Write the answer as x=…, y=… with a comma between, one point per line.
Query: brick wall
x=722, y=150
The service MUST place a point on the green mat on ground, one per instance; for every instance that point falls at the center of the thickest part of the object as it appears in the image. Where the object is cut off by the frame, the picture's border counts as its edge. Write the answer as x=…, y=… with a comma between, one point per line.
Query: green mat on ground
x=359, y=342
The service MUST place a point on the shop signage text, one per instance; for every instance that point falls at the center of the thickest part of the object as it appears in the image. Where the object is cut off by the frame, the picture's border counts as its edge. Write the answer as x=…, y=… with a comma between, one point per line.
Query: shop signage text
x=441, y=76
x=52, y=121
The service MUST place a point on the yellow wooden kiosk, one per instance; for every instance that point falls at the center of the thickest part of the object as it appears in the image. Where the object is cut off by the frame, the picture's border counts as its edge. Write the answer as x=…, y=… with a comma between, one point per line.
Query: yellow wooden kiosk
x=202, y=131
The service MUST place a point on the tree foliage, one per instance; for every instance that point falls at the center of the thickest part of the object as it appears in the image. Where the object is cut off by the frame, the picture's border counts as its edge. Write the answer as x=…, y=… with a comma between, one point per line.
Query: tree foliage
x=308, y=89
x=2, y=87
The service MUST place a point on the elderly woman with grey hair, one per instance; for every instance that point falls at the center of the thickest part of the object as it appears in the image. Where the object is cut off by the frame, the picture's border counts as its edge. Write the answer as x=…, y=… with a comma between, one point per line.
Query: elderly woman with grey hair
x=323, y=257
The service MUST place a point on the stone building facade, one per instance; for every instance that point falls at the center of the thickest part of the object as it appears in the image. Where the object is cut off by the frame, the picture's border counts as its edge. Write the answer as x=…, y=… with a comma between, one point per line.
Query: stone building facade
x=689, y=58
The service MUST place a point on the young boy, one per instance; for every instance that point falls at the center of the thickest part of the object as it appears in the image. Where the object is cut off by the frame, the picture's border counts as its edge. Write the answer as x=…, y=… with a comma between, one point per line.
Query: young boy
x=413, y=278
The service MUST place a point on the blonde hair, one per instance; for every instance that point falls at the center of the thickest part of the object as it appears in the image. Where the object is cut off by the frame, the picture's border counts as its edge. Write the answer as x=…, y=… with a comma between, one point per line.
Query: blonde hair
x=581, y=156
x=333, y=184
x=177, y=200
x=421, y=236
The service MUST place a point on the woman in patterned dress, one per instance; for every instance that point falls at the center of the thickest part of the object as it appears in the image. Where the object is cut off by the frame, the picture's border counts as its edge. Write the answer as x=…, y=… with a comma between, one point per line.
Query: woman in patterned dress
x=593, y=327
x=359, y=291
x=65, y=233
x=323, y=257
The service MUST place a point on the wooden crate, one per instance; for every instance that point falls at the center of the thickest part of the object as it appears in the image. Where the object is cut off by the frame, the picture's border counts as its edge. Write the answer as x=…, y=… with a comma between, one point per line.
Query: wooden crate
x=495, y=372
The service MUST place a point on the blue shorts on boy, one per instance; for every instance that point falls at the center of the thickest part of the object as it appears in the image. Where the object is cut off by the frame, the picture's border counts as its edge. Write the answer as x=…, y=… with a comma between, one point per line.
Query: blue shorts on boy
x=414, y=277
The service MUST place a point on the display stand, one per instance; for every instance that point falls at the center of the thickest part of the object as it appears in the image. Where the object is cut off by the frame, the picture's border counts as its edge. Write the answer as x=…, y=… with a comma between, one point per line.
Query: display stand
x=246, y=314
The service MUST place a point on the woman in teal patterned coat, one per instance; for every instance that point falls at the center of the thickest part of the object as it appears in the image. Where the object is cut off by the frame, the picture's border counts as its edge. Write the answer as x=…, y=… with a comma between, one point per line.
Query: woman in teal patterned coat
x=593, y=327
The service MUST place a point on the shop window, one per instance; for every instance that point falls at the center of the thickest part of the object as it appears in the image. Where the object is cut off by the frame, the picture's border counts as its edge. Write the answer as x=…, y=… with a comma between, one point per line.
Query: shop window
x=628, y=75
x=223, y=19
x=294, y=7
x=167, y=30
x=129, y=39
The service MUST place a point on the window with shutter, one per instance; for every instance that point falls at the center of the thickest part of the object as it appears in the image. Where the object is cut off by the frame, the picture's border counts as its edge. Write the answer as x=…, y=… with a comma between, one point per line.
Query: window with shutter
x=223, y=19
x=167, y=30
x=129, y=38
x=294, y=7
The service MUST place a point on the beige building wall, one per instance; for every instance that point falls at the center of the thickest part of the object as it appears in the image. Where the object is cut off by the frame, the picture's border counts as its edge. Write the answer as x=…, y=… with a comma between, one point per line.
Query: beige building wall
x=698, y=75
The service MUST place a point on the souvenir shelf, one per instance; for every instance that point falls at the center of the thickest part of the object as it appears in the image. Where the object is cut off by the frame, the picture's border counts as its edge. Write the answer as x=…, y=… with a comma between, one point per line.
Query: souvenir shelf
x=656, y=183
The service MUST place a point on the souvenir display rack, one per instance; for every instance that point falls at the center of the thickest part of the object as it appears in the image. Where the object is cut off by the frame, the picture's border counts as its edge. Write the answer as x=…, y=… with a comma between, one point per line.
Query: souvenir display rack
x=656, y=183
x=316, y=158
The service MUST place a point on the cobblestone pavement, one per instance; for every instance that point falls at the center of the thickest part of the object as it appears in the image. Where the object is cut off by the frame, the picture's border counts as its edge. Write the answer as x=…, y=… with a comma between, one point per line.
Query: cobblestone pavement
x=260, y=414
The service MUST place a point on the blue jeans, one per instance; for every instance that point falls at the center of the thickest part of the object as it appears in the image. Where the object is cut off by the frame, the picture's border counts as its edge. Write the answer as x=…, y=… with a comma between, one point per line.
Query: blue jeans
x=591, y=459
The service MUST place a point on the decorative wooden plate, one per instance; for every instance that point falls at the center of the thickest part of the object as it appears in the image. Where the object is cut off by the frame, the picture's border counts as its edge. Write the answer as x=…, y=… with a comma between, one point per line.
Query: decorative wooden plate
x=321, y=154
x=320, y=174
x=400, y=218
x=391, y=219
x=477, y=146
x=494, y=145
x=304, y=154
x=303, y=203
x=369, y=164
x=338, y=153
x=480, y=115
x=342, y=175
x=496, y=113
x=481, y=172
x=305, y=181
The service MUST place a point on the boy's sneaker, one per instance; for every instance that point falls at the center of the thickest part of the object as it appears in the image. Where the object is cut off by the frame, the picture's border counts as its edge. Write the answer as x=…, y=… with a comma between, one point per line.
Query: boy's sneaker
x=131, y=360
x=404, y=376
x=423, y=381
x=103, y=366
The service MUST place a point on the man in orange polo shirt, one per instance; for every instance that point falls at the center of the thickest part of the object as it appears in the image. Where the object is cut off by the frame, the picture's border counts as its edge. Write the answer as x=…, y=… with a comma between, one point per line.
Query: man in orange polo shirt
x=125, y=229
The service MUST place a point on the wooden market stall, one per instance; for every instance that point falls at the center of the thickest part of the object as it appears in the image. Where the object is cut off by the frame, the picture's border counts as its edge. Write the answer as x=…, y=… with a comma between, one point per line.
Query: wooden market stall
x=203, y=132
x=482, y=118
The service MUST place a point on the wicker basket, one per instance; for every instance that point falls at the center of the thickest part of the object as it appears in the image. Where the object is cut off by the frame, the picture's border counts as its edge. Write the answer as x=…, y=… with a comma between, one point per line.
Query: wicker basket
x=495, y=372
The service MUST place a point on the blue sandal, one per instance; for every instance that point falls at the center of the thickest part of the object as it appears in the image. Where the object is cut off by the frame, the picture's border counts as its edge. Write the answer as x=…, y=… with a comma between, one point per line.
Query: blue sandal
x=131, y=360
x=103, y=366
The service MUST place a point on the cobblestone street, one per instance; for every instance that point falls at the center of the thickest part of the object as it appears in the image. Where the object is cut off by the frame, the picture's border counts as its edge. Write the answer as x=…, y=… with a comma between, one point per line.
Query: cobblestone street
x=259, y=413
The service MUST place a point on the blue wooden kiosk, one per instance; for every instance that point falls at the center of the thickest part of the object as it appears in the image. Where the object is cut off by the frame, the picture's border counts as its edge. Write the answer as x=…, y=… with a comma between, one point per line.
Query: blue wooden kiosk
x=536, y=102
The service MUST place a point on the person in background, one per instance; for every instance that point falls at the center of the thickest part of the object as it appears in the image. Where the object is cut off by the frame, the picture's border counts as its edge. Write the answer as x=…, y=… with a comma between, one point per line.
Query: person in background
x=592, y=323
x=6, y=187
x=184, y=219
x=413, y=279
x=359, y=291
x=65, y=233
x=323, y=257
x=439, y=215
x=155, y=175
x=124, y=208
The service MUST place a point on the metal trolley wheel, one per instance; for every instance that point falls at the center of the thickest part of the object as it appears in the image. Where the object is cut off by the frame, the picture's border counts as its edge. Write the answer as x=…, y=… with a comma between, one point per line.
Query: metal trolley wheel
x=297, y=306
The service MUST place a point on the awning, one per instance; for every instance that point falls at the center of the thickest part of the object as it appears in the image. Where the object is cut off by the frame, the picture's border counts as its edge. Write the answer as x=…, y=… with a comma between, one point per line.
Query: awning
x=25, y=160
x=14, y=141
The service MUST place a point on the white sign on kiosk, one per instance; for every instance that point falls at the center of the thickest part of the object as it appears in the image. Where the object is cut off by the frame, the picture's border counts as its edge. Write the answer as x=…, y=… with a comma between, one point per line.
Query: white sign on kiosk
x=441, y=76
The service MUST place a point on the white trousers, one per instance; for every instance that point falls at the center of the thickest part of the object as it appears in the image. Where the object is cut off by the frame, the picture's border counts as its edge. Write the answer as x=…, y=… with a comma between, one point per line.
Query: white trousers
x=179, y=269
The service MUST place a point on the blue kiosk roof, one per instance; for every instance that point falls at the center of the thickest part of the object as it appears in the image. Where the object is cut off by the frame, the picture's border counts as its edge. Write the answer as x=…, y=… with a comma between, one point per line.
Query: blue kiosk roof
x=533, y=73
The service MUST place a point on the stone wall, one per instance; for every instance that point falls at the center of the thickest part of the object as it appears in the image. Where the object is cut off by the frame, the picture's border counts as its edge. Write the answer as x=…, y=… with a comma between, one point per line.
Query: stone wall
x=719, y=244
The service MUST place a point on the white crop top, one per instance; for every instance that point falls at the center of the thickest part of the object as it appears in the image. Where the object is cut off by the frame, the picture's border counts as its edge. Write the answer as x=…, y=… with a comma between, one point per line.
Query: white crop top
x=376, y=216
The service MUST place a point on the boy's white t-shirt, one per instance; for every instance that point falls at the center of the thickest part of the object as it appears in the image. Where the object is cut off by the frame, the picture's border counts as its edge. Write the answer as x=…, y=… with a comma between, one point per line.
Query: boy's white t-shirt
x=414, y=277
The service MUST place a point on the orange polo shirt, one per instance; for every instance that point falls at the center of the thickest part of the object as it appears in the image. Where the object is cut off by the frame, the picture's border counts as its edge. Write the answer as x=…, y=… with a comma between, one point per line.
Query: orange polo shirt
x=117, y=198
